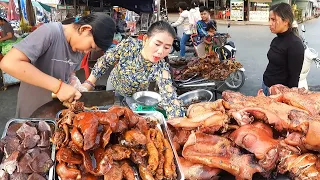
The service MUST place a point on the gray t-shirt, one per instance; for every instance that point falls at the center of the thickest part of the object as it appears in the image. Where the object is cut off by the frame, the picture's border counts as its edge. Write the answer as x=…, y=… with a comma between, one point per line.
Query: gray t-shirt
x=49, y=51
x=6, y=28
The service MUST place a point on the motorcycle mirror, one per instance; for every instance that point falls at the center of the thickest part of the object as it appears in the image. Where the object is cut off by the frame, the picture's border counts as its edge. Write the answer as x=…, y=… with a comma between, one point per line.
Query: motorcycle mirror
x=229, y=25
x=303, y=29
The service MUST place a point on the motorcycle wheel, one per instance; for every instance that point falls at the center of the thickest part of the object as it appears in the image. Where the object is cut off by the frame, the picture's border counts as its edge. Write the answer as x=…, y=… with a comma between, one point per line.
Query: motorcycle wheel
x=235, y=80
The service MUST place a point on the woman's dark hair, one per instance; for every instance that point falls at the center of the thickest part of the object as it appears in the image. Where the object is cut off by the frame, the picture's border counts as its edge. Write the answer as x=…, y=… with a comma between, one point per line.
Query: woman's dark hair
x=284, y=11
x=161, y=26
x=204, y=8
x=103, y=27
x=182, y=5
x=3, y=19
x=194, y=3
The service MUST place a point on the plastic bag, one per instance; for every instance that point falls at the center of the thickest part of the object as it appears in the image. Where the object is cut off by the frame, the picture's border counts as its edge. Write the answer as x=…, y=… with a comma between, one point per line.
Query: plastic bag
x=75, y=82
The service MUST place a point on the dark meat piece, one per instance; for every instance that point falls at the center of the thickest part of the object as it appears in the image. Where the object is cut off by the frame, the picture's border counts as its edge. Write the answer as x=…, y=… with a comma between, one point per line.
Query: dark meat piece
x=44, y=126
x=115, y=173
x=41, y=163
x=127, y=171
x=142, y=125
x=89, y=177
x=11, y=144
x=12, y=129
x=36, y=176
x=67, y=155
x=118, y=152
x=34, y=152
x=23, y=165
x=26, y=130
x=138, y=156
x=122, y=126
x=108, y=118
x=18, y=176
x=44, y=139
x=88, y=124
x=10, y=164
x=4, y=175
x=30, y=141
x=135, y=137
x=58, y=137
x=65, y=172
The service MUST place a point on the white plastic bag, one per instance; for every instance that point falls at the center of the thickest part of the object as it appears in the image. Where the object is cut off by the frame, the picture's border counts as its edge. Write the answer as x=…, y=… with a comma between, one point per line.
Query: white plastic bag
x=75, y=82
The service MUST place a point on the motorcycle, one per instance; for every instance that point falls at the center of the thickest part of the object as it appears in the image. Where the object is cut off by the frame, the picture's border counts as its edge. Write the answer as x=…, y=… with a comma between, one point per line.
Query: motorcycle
x=310, y=55
x=227, y=51
x=176, y=44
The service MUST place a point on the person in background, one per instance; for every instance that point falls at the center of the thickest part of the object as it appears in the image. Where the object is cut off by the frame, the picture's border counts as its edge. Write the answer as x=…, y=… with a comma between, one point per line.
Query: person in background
x=209, y=40
x=7, y=31
x=286, y=53
x=184, y=20
x=202, y=24
x=46, y=60
x=137, y=63
x=194, y=16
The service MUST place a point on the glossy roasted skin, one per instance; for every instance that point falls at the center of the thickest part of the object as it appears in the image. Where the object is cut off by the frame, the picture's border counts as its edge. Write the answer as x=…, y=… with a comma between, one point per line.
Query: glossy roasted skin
x=302, y=167
x=95, y=144
x=193, y=171
x=217, y=152
x=67, y=173
x=259, y=141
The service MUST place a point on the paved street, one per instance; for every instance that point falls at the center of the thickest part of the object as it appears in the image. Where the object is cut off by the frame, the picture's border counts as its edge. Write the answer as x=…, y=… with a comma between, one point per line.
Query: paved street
x=252, y=44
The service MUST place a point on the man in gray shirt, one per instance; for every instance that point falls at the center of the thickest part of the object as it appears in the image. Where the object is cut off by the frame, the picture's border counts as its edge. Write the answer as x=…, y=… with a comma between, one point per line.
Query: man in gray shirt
x=7, y=31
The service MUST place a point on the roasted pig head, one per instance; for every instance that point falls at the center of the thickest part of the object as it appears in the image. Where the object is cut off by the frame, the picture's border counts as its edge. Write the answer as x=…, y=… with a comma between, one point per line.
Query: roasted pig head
x=259, y=141
x=217, y=152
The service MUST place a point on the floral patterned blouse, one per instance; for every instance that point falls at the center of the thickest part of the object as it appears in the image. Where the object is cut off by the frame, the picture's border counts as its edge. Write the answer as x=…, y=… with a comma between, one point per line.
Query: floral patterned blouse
x=132, y=73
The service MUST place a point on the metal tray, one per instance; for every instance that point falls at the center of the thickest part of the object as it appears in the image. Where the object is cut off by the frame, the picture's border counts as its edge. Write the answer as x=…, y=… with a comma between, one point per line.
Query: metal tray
x=162, y=126
x=53, y=126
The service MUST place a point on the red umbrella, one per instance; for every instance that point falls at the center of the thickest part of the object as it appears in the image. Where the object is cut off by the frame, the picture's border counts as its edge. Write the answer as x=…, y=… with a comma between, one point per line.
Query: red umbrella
x=12, y=15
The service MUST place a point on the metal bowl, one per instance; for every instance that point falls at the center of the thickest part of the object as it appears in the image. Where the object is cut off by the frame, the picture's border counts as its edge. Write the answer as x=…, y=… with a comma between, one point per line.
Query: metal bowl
x=199, y=95
x=147, y=98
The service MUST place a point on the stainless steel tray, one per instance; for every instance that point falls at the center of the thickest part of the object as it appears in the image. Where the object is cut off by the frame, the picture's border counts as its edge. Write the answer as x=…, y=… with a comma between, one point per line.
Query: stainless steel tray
x=163, y=127
x=53, y=126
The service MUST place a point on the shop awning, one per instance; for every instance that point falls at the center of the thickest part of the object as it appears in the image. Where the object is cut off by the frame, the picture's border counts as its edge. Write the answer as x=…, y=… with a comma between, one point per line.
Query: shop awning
x=261, y=1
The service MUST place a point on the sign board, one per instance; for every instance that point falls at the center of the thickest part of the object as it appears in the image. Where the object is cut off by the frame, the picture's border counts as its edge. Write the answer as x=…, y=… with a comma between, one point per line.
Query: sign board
x=237, y=10
x=259, y=16
x=61, y=7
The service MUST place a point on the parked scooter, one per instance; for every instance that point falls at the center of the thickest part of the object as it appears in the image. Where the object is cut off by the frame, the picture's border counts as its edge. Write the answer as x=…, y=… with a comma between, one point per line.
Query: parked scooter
x=310, y=55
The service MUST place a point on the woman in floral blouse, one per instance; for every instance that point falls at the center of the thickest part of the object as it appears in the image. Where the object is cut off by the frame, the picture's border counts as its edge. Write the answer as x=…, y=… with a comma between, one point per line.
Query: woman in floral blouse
x=137, y=62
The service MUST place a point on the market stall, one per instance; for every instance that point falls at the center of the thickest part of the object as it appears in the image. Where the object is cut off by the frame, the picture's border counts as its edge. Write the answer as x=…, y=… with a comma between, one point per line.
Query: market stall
x=259, y=11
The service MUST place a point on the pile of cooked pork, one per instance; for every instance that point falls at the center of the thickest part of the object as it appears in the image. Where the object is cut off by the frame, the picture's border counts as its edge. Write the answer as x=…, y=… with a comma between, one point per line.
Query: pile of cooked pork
x=245, y=135
x=116, y=144
x=26, y=151
x=209, y=68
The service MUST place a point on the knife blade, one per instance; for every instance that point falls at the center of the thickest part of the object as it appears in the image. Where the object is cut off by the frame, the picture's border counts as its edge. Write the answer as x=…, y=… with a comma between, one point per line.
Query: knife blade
x=96, y=98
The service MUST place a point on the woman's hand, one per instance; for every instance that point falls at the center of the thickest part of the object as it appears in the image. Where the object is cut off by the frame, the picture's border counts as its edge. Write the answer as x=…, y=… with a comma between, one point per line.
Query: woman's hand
x=68, y=93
